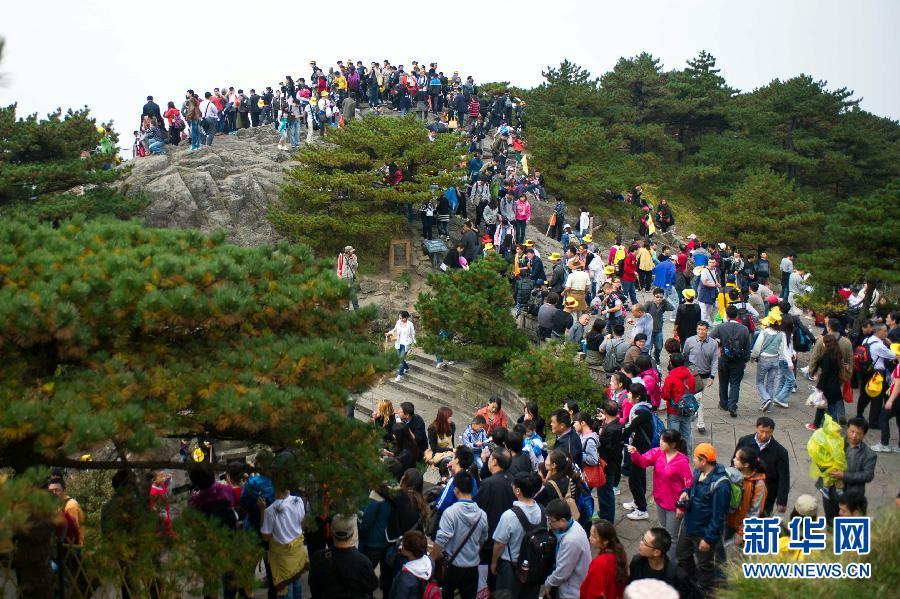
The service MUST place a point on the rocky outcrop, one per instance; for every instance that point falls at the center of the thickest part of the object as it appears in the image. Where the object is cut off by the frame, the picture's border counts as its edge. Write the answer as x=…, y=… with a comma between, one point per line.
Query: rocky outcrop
x=227, y=185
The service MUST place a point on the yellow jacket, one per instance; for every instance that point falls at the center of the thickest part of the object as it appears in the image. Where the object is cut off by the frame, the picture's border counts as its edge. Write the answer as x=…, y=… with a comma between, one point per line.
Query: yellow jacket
x=644, y=259
x=341, y=82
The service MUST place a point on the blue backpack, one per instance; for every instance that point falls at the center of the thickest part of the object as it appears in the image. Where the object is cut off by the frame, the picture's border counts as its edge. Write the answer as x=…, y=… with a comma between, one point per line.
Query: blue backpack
x=657, y=423
x=585, y=501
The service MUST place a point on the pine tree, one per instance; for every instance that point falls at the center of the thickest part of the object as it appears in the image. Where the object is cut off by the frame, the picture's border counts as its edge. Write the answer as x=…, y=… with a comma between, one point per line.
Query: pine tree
x=339, y=193
x=466, y=315
x=767, y=210
x=549, y=374
x=116, y=337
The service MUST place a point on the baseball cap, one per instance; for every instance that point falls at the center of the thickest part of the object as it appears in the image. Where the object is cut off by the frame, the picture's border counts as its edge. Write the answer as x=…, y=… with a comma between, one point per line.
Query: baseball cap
x=343, y=527
x=705, y=450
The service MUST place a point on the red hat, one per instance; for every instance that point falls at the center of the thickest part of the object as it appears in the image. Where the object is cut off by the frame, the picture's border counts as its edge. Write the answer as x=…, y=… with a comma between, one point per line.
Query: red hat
x=486, y=238
x=773, y=300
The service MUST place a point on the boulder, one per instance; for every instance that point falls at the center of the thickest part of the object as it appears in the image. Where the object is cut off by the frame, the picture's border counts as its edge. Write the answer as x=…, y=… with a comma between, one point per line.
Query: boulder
x=227, y=185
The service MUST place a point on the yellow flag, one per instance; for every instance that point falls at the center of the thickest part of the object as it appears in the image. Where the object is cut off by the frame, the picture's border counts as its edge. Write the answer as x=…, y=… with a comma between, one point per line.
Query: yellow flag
x=651, y=228
x=525, y=164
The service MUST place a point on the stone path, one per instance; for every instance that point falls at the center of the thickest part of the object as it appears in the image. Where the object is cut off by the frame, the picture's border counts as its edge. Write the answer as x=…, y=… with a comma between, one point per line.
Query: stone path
x=723, y=431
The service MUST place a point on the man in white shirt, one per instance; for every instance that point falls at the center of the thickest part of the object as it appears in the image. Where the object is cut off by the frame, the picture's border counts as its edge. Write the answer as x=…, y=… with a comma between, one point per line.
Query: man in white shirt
x=577, y=284
x=210, y=118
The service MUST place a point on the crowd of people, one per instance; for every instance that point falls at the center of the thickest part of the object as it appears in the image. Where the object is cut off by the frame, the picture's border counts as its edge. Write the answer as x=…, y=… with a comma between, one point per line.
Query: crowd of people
x=532, y=503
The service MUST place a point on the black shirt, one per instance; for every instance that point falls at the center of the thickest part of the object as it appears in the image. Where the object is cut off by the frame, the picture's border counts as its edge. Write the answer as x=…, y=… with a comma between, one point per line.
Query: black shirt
x=672, y=574
x=495, y=496
x=775, y=457
x=349, y=575
x=562, y=320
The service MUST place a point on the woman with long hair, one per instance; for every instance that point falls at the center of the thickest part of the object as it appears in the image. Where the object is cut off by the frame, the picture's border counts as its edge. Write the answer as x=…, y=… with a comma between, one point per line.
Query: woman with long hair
x=405, y=452
x=830, y=383
x=608, y=573
x=532, y=412
x=618, y=392
x=493, y=414
x=441, y=434
x=671, y=475
x=409, y=512
x=556, y=472
x=383, y=417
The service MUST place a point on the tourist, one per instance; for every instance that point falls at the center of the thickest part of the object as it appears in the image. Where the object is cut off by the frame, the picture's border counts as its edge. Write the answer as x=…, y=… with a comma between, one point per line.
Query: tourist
x=671, y=475
x=404, y=452
x=509, y=534
x=679, y=382
x=734, y=349
x=832, y=375
x=493, y=414
x=417, y=569
x=753, y=498
x=638, y=433
x=775, y=457
x=653, y=562
x=608, y=573
x=404, y=336
x=441, y=435
x=566, y=439
x=573, y=553
x=771, y=347
x=462, y=530
x=860, y=470
x=610, y=440
x=357, y=575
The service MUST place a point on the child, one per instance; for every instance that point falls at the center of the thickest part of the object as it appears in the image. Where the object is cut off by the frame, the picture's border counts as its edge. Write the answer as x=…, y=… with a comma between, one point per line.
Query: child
x=534, y=445
x=283, y=141
x=475, y=438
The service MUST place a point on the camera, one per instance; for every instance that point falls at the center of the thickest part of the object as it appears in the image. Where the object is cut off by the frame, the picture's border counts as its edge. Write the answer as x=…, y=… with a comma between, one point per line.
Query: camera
x=682, y=505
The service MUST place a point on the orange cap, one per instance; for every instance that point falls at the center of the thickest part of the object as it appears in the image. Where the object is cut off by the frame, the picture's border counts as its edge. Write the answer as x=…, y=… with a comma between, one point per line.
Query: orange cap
x=705, y=450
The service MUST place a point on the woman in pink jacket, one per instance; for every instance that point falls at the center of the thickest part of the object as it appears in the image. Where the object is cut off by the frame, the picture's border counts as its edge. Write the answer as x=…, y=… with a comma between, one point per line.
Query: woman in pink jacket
x=671, y=475
x=523, y=215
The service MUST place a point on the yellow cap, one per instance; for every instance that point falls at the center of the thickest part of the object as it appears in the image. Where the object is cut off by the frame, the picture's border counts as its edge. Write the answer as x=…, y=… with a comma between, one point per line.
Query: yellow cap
x=689, y=294
x=555, y=257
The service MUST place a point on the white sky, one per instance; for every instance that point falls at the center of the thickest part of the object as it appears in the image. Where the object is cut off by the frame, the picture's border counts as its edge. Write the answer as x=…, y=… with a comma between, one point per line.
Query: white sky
x=111, y=54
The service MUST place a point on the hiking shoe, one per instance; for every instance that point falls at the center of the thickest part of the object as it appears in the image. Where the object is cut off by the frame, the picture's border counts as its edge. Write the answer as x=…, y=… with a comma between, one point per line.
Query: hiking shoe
x=616, y=490
x=398, y=378
x=733, y=413
x=638, y=515
x=766, y=406
x=780, y=404
x=881, y=448
x=701, y=430
x=811, y=427
x=629, y=505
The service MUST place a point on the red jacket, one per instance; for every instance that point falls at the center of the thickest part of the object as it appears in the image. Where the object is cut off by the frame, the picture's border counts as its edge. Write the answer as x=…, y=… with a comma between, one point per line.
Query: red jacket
x=674, y=387
x=629, y=268
x=600, y=581
x=474, y=109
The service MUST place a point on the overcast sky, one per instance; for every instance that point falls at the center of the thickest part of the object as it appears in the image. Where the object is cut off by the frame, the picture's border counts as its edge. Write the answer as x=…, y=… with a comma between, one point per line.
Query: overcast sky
x=111, y=55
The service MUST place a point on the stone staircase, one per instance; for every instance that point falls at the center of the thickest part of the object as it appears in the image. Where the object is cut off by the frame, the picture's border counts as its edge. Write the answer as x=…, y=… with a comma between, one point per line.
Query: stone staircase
x=461, y=387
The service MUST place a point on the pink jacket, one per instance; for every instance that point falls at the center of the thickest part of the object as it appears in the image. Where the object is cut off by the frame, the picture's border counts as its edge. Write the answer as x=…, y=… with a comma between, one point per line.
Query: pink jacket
x=523, y=210
x=653, y=386
x=670, y=478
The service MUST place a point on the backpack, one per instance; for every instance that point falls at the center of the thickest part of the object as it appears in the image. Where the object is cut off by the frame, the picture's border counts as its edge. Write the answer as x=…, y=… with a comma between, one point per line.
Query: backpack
x=732, y=348
x=687, y=405
x=245, y=104
x=613, y=361
x=803, y=338
x=430, y=590
x=538, y=548
x=745, y=318
x=863, y=363
x=585, y=501
x=657, y=423
x=735, y=479
x=619, y=256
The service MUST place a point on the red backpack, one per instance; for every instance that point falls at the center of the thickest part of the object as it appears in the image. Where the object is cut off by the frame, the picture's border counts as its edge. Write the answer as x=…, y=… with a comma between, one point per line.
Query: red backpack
x=432, y=590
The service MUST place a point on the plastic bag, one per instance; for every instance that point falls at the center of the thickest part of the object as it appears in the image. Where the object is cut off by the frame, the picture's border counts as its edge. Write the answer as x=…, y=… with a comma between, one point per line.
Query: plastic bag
x=826, y=451
x=817, y=400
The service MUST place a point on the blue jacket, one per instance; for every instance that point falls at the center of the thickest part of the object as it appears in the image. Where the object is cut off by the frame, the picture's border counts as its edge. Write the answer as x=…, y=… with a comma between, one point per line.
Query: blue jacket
x=664, y=274
x=448, y=497
x=256, y=486
x=705, y=517
x=374, y=523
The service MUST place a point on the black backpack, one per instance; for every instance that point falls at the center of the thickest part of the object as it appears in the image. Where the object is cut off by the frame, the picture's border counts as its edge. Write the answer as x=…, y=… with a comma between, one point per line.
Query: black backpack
x=732, y=348
x=245, y=104
x=803, y=339
x=538, y=548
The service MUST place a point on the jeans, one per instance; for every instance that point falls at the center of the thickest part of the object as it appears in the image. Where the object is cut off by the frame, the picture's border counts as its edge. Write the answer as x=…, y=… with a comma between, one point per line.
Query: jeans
x=672, y=524
x=767, y=377
x=637, y=483
x=629, y=291
x=401, y=352
x=832, y=411
x=464, y=579
x=657, y=345
x=699, y=565
x=520, y=230
x=673, y=297
x=374, y=100
x=294, y=132
x=606, y=500
x=730, y=375
x=157, y=147
x=354, y=298
x=682, y=424
x=195, y=134
x=443, y=227
x=787, y=382
x=207, y=137
x=700, y=386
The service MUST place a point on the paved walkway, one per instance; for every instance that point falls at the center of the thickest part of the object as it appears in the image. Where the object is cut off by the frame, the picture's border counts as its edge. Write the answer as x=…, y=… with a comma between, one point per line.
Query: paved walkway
x=723, y=431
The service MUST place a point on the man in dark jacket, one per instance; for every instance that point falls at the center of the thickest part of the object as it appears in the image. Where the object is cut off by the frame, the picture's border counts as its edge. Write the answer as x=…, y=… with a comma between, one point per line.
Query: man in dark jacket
x=775, y=456
x=535, y=266
x=416, y=425
x=495, y=495
x=255, y=108
x=469, y=241
x=151, y=109
x=734, y=352
x=342, y=570
x=611, y=452
x=860, y=467
x=707, y=502
x=566, y=438
x=638, y=433
x=520, y=462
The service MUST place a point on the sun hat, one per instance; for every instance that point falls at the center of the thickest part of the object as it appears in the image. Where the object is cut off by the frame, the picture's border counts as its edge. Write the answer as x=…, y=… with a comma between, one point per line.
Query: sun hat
x=570, y=302
x=721, y=245
x=689, y=294
x=587, y=238
x=555, y=257
x=529, y=243
x=575, y=263
x=705, y=450
x=349, y=249
x=698, y=270
x=773, y=300
x=486, y=238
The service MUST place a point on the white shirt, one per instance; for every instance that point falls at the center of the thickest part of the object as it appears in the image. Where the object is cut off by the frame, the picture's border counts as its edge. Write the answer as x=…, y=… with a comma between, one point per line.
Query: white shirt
x=208, y=109
x=706, y=277
x=283, y=519
x=406, y=334
x=578, y=281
